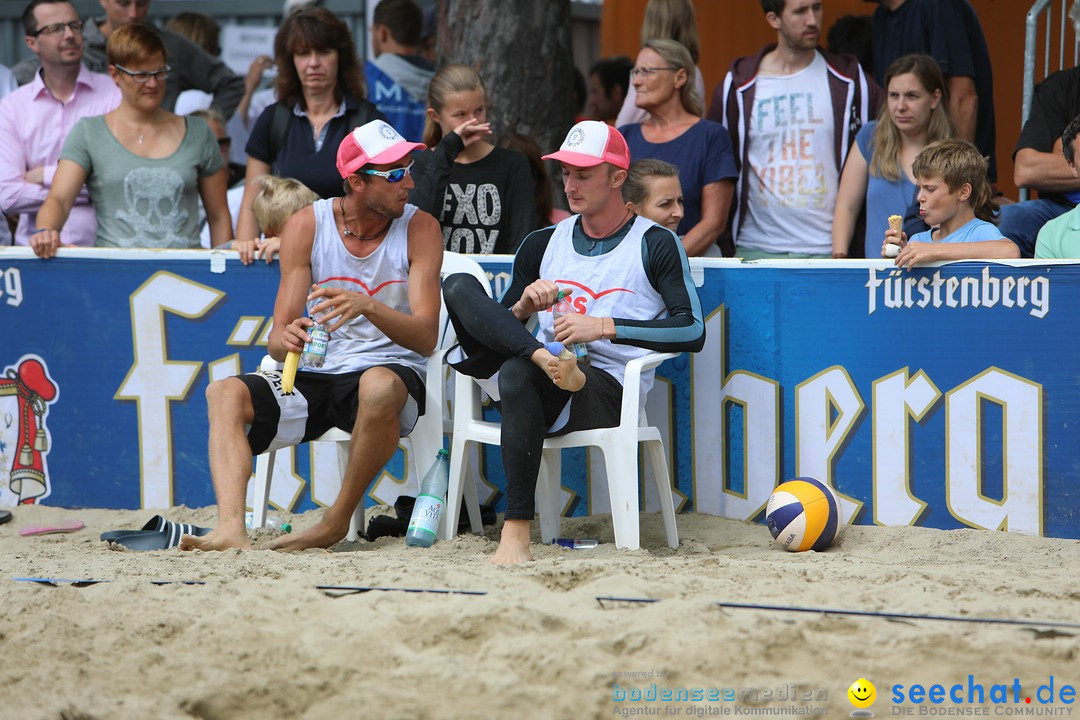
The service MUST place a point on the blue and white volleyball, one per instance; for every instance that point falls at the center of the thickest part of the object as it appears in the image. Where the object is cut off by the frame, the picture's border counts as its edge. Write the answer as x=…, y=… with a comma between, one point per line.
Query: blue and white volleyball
x=804, y=514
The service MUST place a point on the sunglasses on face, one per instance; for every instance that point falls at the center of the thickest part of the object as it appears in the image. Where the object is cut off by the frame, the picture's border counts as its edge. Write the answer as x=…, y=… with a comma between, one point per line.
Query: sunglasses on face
x=392, y=176
x=143, y=76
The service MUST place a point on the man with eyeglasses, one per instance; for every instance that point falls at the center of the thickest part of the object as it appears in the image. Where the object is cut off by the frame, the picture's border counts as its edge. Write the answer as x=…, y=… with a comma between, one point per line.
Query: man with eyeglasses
x=367, y=264
x=792, y=111
x=192, y=68
x=36, y=119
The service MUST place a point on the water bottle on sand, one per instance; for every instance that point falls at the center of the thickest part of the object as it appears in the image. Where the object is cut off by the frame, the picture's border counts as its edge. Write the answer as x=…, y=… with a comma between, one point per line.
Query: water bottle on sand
x=424, y=523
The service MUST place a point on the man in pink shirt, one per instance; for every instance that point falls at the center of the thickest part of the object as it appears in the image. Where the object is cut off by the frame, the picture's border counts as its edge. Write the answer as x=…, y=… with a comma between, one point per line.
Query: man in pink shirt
x=36, y=119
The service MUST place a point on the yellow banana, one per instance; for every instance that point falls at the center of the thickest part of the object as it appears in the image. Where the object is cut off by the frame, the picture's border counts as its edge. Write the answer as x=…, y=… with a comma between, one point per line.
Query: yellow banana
x=288, y=374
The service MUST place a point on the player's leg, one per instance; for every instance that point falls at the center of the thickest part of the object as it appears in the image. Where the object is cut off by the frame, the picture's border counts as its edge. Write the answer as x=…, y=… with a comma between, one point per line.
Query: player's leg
x=230, y=409
x=381, y=398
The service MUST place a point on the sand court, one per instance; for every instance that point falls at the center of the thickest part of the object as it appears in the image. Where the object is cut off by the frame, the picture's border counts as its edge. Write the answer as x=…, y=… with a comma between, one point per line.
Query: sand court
x=256, y=639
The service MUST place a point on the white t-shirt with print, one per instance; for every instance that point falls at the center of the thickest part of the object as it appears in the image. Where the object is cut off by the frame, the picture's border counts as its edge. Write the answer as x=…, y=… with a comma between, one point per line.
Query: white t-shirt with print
x=791, y=174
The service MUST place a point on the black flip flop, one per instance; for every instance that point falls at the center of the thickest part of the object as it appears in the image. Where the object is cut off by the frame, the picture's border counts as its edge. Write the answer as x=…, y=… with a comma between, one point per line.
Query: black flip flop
x=155, y=524
x=166, y=537
x=5, y=516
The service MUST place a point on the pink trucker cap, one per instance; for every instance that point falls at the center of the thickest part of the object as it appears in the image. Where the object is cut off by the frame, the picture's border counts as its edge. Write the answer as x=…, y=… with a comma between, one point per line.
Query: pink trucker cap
x=376, y=143
x=592, y=142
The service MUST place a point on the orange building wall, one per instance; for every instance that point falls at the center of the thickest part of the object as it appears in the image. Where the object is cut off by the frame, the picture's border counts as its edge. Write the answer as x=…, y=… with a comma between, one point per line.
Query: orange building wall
x=732, y=28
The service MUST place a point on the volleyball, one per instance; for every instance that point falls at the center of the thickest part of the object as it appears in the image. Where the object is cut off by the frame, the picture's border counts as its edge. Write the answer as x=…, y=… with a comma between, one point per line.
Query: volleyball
x=804, y=514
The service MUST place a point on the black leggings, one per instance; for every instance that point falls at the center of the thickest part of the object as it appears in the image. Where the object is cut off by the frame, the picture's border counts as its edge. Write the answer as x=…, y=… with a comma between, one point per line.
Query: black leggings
x=495, y=341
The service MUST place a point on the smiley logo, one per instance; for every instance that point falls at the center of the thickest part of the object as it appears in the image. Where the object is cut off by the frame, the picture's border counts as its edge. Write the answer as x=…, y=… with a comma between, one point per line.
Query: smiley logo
x=862, y=693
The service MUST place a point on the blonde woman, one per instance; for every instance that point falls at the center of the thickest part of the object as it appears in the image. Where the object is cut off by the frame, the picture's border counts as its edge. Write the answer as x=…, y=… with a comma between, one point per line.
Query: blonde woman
x=676, y=133
x=674, y=20
x=878, y=168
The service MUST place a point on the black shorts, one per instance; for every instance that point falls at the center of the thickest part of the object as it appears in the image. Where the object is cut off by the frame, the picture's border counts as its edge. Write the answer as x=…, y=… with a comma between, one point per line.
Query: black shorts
x=318, y=402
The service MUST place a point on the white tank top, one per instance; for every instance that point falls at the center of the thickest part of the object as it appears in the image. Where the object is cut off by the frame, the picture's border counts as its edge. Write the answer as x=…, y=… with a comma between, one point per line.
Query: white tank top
x=384, y=275
x=610, y=285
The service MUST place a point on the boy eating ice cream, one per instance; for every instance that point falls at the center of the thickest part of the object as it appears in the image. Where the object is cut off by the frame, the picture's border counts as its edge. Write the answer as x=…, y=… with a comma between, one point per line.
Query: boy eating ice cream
x=954, y=200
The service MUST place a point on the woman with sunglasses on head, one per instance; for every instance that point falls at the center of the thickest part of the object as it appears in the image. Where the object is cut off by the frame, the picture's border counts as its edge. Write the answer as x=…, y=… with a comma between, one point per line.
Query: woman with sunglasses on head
x=482, y=195
x=675, y=132
x=144, y=167
x=320, y=98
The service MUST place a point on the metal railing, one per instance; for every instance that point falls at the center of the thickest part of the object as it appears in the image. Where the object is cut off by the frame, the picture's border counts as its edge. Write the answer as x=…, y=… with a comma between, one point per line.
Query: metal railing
x=1039, y=10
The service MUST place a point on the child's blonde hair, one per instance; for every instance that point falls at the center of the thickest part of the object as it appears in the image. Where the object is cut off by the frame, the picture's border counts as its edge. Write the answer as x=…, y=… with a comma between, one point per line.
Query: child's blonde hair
x=448, y=80
x=277, y=199
x=957, y=162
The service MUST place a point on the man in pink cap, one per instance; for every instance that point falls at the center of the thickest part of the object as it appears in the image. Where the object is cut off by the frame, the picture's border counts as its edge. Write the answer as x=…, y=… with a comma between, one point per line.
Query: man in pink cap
x=367, y=265
x=628, y=279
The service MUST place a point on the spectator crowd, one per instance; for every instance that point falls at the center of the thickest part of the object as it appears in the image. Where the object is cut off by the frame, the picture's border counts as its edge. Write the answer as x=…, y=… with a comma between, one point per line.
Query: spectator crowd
x=118, y=133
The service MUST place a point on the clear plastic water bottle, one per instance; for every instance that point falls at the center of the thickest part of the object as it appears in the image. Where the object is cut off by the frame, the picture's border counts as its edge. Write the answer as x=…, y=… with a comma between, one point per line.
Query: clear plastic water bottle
x=314, y=354
x=428, y=510
x=272, y=521
x=563, y=306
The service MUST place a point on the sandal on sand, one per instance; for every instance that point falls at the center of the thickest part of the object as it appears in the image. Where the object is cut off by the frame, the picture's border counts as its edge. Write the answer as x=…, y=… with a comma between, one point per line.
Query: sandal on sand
x=5, y=516
x=155, y=524
x=65, y=526
x=157, y=534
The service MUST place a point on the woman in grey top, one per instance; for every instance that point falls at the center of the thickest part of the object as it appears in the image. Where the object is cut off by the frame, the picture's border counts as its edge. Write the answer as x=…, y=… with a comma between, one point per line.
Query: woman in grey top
x=144, y=167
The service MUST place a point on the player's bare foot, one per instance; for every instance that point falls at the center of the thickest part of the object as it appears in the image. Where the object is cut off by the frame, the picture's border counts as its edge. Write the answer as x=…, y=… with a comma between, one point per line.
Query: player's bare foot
x=222, y=538
x=513, y=544
x=566, y=374
x=562, y=369
x=318, y=536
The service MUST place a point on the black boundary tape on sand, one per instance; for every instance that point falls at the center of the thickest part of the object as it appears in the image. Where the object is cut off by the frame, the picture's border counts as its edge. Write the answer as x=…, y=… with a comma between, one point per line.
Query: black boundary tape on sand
x=57, y=582
x=336, y=591
x=608, y=603
x=331, y=590
x=900, y=616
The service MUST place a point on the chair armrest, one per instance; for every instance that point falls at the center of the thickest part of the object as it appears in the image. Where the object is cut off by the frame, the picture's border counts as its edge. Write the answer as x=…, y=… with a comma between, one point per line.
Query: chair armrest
x=631, y=397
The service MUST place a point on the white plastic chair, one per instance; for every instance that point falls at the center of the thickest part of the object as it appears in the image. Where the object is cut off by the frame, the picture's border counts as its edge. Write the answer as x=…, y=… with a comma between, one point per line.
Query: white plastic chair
x=619, y=445
x=424, y=441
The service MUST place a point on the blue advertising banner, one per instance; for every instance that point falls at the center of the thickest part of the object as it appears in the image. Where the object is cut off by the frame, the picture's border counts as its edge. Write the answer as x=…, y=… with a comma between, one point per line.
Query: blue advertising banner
x=943, y=396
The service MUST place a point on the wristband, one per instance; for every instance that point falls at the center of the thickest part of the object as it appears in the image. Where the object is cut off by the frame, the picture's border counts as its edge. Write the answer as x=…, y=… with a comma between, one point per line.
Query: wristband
x=39, y=230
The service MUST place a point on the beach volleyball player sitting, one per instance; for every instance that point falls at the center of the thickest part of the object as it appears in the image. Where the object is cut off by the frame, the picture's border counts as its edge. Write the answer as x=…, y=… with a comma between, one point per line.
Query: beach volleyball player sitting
x=631, y=278
x=371, y=383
